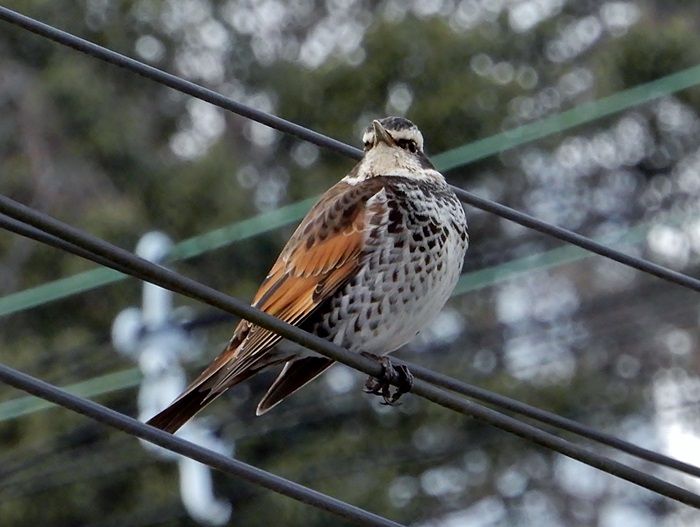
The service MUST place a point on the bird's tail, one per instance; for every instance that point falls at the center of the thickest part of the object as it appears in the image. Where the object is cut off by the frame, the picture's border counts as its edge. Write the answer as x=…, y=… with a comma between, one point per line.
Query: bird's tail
x=295, y=375
x=181, y=410
x=200, y=394
x=206, y=388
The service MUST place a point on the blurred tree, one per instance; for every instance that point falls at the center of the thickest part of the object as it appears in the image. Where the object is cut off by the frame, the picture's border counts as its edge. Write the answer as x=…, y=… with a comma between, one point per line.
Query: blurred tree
x=118, y=155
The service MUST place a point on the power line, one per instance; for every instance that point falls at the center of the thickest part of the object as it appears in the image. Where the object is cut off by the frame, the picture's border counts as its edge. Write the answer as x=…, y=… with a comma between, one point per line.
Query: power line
x=130, y=377
x=307, y=134
x=28, y=231
x=176, y=444
x=129, y=425
x=171, y=280
x=564, y=254
x=287, y=419
x=175, y=82
x=99, y=385
x=581, y=114
x=579, y=240
x=543, y=416
x=116, y=381
x=188, y=248
x=468, y=282
x=309, y=414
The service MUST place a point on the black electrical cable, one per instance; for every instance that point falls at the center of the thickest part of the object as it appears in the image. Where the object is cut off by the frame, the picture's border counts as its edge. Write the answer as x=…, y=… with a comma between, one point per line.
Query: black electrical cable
x=288, y=127
x=432, y=377
x=28, y=231
x=577, y=239
x=550, y=418
x=306, y=134
x=165, y=278
x=176, y=444
x=507, y=403
x=175, y=82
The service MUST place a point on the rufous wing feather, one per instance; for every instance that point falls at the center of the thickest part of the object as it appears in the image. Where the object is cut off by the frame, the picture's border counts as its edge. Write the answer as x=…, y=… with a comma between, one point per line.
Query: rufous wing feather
x=322, y=255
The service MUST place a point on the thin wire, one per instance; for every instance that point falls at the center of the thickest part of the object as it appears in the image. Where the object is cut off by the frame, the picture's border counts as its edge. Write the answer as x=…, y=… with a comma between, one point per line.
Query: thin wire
x=28, y=231
x=177, y=83
x=188, y=248
x=129, y=377
x=92, y=387
x=119, y=380
x=307, y=134
x=165, y=278
x=289, y=419
x=468, y=282
x=173, y=443
x=544, y=416
x=581, y=114
x=241, y=230
x=579, y=240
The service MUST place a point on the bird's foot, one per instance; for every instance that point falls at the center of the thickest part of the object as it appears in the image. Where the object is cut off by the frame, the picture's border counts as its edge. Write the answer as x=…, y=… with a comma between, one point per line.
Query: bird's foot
x=399, y=375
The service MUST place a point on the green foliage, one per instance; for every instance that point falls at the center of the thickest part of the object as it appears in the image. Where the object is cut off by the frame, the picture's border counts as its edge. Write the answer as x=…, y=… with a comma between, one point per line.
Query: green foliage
x=96, y=146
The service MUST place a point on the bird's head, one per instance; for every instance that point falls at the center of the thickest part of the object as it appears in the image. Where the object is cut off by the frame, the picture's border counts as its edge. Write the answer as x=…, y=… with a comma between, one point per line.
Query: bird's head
x=394, y=147
x=393, y=132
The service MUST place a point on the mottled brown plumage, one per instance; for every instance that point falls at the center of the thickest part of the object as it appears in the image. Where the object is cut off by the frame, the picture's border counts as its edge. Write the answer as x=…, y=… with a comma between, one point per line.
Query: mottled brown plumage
x=355, y=271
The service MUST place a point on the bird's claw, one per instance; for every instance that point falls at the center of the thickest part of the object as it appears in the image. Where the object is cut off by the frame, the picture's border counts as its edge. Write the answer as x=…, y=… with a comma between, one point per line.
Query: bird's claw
x=400, y=376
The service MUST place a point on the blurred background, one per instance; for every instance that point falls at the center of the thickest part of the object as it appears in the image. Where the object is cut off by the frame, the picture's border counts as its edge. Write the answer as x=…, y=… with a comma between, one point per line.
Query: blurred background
x=118, y=156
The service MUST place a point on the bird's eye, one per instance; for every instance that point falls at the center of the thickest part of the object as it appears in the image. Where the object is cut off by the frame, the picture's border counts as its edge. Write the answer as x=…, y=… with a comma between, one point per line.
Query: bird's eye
x=368, y=145
x=408, y=144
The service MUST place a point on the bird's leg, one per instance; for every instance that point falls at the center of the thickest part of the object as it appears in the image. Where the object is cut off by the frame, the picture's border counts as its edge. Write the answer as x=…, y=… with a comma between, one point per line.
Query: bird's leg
x=373, y=384
x=399, y=375
x=404, y=382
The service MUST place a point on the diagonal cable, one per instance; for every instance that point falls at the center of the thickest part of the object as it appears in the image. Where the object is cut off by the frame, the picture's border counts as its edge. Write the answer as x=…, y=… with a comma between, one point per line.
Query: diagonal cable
x=550, y=418
x=165, y=278
x=261, y=223
x=579, y=240
x=130, y=377
x=188, y=248
x=177, y=83
x=307, y=134
x=484, y=204
x=176, y=444
x=118, y=380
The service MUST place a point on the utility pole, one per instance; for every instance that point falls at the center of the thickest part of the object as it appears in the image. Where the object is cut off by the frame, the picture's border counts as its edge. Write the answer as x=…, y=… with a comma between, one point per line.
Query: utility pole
x=152, y=337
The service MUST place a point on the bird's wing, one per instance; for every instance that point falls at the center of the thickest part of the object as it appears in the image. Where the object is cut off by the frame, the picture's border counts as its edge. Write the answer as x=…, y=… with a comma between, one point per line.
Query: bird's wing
x=322, y=255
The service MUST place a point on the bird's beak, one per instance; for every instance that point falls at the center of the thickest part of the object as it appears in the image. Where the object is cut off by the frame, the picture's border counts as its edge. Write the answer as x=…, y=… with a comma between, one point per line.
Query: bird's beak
x=381, y=135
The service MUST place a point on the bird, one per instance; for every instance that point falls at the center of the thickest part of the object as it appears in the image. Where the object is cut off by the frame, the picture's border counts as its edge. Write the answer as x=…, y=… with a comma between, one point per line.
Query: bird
x=369, y=266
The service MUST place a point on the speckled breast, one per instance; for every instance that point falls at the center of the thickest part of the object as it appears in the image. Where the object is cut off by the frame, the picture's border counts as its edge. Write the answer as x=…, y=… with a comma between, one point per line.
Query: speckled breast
x=415, y=247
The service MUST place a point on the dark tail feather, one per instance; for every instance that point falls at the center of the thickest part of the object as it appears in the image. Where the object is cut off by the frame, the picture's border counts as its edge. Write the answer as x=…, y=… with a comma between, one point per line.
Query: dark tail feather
x=295, y=374
x=182, y=410
x=200, y=393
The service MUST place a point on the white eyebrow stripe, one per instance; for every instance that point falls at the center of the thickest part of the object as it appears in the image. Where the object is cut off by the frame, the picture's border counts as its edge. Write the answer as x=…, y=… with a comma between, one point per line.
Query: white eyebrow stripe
x=408, y=134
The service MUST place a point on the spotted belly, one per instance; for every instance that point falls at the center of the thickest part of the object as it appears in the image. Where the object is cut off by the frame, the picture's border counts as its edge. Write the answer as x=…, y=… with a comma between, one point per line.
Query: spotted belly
x=405, y=280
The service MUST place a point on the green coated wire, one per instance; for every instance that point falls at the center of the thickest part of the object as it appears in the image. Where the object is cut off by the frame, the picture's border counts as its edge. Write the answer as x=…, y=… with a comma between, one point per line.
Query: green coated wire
x=581, y=114
x=557, y=257
x=93, y=387
x=587, y=112
x=209, y=241
x=241, y=230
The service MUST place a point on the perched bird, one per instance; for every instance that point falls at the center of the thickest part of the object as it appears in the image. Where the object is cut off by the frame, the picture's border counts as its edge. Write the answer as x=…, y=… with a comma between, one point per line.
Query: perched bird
x=369, y=266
